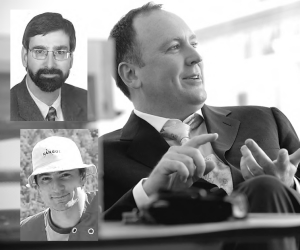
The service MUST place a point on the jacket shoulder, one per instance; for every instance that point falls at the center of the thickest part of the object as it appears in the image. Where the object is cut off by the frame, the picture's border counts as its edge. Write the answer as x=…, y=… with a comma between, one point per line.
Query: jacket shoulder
x=244, y=112
x=112, y=136
x=32, y=219
x=16, y=92
x=33, y=227
x=75, y=90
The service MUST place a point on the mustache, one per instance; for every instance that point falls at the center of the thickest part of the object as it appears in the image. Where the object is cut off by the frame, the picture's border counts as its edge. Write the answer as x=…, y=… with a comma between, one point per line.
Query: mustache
x=51, y=71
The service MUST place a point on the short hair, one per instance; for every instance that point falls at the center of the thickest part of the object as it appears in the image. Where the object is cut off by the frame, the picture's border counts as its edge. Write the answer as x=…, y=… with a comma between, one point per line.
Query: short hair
x=82, y=173
x=48, y=22
x=126, y=46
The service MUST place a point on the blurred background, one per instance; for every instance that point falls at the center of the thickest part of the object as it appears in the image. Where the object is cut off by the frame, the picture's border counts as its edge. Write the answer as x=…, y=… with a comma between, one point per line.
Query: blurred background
x=250, y=48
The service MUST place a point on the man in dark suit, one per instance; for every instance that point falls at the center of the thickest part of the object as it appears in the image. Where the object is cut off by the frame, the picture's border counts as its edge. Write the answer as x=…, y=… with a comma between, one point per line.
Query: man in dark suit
x=160, y=71
x=47, y=55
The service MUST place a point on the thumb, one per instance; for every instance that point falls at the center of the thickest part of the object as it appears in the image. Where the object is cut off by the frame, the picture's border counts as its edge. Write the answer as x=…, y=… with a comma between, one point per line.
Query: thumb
x=210, y=165
x=283, y=158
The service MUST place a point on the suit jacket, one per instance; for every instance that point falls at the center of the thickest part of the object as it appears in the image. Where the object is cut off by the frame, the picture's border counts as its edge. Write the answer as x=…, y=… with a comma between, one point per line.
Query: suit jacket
x=131, y=153
x=33, y=227
x=23, y=107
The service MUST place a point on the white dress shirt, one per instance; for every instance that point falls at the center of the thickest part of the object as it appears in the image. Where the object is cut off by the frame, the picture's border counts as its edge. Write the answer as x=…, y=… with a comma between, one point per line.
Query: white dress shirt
x=139, y=195
x=44, y=108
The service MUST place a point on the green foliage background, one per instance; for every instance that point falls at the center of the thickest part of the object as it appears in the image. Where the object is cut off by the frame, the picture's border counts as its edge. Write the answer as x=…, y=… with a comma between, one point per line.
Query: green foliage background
x=85, y=139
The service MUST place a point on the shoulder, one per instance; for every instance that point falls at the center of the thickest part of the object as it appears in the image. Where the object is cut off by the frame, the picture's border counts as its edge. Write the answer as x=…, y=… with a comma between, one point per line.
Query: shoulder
x=71, y=94
x=32, y=220
x=33, y=228
x=259, y=112
x=244, y=108
x=112, y=136
x=18, y=87
x=18, y=95
x=244, y=111
x=70, y=89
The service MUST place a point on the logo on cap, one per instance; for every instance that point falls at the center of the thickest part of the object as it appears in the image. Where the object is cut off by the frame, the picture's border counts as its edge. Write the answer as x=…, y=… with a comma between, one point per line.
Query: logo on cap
x=51, y=152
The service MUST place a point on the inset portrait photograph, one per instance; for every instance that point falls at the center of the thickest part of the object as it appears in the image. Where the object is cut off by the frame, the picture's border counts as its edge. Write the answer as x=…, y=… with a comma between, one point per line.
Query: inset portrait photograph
x=59, y=185
x=48, y=67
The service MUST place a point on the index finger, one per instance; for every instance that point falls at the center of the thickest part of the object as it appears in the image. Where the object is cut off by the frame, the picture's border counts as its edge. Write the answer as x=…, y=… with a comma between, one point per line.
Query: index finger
x=295, y=158
x=260, y=156
x=199, y=140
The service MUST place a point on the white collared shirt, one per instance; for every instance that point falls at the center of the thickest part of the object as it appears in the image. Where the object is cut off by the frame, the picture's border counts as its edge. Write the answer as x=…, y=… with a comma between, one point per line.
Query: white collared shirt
x=140, y=197
x=44, y=108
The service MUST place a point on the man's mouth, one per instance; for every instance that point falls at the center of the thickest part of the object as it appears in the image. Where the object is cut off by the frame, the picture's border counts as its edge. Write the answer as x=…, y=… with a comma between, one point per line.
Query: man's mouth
x=59, y=196
x=49, y=75
x=193, y=77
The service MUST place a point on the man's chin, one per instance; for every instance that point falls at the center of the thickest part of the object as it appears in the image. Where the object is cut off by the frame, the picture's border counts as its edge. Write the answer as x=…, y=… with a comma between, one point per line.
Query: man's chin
x=199, y=99
x=48, y=84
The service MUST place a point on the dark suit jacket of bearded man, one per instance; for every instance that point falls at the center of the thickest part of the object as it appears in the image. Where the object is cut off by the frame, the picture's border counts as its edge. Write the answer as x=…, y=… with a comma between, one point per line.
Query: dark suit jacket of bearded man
x=23, y=107
x=131, y=153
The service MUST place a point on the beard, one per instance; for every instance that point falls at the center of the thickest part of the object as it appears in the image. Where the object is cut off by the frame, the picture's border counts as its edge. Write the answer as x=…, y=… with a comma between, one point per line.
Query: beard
x=48, y=84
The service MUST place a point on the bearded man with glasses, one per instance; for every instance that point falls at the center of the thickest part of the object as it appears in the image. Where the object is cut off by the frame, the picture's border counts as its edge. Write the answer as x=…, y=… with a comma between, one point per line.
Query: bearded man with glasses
x=48, y=42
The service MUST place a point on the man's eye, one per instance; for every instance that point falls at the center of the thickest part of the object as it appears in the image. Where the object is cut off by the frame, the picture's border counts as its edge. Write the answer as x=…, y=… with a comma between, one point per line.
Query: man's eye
x=46, y=178
x=65, y=175
x=61, y=52
x=39, y=51
x=174, y=47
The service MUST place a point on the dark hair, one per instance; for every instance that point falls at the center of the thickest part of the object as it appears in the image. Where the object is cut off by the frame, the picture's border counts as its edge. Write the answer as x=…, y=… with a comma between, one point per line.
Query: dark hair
x=48, y=22
x=82, y=172
x=127, y=49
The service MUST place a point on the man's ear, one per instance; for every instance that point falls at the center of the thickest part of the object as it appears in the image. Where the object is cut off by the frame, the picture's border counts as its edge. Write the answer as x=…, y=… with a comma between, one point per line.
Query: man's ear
x=127, y=72
x=24, y=56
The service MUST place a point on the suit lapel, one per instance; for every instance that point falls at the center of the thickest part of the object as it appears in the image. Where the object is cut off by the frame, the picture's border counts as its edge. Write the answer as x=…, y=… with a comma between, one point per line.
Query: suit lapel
x=28, y=110
x=147, y=145
x=217, y=122
x=69, y=106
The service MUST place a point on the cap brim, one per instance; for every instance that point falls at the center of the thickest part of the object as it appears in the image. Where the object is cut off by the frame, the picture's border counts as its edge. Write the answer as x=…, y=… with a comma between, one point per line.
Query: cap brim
x=91, y=170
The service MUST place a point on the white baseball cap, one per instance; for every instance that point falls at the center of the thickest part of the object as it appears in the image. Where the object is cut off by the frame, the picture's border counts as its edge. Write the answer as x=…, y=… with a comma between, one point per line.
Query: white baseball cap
x=57, y=154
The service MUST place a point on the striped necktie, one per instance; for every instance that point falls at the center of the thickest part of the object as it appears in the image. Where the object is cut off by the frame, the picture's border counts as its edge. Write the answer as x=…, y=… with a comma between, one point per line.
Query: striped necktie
x=51, y=114
x=178, y=131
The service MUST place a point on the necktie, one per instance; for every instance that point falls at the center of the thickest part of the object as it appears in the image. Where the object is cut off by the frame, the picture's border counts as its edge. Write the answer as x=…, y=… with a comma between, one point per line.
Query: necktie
x=51, y=114
x=176, y=132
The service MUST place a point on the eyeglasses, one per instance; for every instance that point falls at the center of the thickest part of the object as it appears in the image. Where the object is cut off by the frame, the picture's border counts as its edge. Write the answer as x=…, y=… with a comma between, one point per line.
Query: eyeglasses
x=41, y=54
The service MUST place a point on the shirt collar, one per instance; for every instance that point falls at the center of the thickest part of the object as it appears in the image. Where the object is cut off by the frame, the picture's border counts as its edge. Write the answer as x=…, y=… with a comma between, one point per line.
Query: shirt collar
x=44, y=108
x=157, y=121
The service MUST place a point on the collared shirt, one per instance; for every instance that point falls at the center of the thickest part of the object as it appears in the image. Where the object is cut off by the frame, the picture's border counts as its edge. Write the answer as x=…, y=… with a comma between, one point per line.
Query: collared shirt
x=140, y=197
x=44, y=108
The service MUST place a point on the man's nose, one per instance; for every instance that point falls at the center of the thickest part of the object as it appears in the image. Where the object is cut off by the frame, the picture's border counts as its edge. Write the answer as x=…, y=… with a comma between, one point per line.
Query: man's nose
x=50, y=61
x=57, y=186
x=193, y=56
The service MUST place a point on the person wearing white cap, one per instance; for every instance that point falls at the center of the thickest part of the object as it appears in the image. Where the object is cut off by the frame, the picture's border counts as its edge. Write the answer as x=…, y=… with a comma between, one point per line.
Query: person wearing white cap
x=59, y=175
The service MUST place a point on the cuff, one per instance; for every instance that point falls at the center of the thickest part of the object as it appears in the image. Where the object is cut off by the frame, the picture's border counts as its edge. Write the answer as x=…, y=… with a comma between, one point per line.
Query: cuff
x=297, y=185
x=140, y=197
